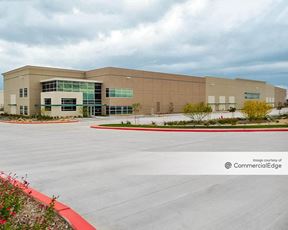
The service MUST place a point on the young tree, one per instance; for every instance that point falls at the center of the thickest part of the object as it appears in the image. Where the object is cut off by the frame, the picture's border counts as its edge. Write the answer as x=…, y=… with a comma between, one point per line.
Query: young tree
x=256, y=110
x=197, y=112
x=171, y=107
x=85, y=111
x=136, y=107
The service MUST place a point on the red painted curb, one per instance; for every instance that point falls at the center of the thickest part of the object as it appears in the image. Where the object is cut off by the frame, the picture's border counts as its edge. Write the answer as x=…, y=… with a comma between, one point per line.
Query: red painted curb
x=73, y=218
x=38, y=122
x=192, y=130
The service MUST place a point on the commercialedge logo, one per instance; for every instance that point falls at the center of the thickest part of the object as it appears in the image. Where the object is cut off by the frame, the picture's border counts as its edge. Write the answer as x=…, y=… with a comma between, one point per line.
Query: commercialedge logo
x=267, y=165
x=228, y=165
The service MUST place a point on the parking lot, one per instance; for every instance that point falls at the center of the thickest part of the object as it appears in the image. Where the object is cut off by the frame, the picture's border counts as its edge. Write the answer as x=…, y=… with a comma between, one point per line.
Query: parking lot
x=87, y=168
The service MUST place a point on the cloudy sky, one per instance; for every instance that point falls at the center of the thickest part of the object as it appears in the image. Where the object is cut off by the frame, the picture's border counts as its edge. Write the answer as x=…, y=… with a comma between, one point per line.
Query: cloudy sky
x=226, y=38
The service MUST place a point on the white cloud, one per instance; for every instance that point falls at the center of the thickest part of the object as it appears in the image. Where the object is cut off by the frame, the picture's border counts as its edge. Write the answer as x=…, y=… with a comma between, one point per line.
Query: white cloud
x=195, y=37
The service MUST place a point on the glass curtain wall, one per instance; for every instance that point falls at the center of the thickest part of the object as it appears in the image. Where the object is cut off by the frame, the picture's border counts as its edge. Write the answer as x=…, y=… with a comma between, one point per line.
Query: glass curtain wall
x=91, y=91
x=87, y=88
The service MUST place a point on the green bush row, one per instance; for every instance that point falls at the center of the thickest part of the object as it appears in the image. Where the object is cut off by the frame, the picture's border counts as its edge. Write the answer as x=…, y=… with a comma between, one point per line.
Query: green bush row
x=34, y=117
x=221, y=121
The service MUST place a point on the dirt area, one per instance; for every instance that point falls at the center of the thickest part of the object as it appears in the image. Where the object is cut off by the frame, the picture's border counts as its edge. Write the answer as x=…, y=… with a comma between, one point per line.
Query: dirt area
x=33, y=211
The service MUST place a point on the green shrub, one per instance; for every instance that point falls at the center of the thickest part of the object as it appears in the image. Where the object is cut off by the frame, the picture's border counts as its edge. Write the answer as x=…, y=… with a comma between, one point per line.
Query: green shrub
x=212, y=122
x=232, y=109
x=85, y=111
x=178, y=122
x=231, y=121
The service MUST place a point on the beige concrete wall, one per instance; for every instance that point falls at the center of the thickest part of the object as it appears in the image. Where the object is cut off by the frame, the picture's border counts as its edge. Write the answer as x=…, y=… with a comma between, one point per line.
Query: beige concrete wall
x=280, y=95
x=38, y=74
x=1, y=98
x=217, y=88
x=220, y=88
x=56, y=100
x=12, y=83
x=269, y=95
x=30, y=77
x=150, y=88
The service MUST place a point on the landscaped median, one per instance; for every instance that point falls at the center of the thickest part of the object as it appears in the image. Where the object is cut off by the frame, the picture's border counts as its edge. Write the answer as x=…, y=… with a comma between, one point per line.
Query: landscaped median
x=230, y=128
x=36, y=119
x=31, y=122
x=22, y=207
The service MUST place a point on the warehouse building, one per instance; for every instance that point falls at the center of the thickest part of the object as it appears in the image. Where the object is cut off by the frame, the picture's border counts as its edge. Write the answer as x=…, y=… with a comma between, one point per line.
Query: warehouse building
x=33, y=90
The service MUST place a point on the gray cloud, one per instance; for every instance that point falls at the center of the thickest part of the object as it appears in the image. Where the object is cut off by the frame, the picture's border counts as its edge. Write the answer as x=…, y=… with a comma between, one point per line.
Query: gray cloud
x=198, y=37
x=56, y=22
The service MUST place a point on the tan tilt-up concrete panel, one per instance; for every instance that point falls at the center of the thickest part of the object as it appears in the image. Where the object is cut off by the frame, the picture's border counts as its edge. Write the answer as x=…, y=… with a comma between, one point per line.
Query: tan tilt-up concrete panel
x=280, y=95
x=1, y=98
x=12, y=83
x=156, y=92
x=29, y=77
x=223, y=89
x=38, y=74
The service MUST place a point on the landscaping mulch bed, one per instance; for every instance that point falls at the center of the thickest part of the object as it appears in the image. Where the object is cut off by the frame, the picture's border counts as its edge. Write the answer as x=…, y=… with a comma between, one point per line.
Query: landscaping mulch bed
x=32, y=211
x=221, y=123
x=24, y=212
x=20, y=119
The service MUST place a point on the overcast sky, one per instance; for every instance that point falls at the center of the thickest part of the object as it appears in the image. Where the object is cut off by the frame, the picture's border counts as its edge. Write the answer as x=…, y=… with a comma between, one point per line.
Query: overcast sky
x=226, y=38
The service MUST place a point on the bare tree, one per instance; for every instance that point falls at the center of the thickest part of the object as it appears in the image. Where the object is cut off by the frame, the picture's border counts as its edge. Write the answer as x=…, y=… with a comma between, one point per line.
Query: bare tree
x=197, y=112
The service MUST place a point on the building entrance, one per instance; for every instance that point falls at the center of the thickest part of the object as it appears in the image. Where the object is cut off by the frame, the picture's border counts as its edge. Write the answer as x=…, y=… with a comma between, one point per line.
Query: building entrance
x=94, y=111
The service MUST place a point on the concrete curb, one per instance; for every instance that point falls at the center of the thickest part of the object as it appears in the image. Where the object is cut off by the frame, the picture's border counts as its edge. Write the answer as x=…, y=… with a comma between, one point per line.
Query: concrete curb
x=191, y=130
x=39, y=122
x=73, y=218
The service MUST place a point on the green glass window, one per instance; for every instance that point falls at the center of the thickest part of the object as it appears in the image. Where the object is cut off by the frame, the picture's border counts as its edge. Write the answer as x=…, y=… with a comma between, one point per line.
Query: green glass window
x=76, y=87
x=88, y=89
x=124, y=93
x=252, y=95
x=67, y=86
x=119, y=110
x=21, y=109
x=49, y=86
x=47, y=103
x=68, y=104
x=83, y=86
x=91, y=86
x=60, y=85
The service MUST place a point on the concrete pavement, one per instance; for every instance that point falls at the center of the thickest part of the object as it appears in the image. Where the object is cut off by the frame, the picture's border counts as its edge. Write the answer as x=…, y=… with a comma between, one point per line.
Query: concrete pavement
x=86, y=168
